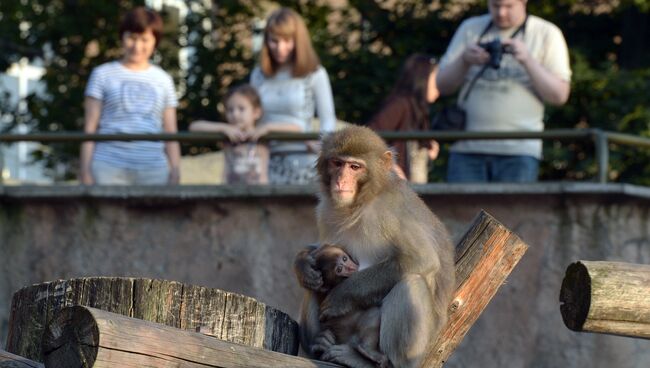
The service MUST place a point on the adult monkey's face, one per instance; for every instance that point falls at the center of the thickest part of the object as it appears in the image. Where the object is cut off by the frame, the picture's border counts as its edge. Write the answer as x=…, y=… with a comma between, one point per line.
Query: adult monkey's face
x=507, y=13
x=354, y=166
x=346, y=175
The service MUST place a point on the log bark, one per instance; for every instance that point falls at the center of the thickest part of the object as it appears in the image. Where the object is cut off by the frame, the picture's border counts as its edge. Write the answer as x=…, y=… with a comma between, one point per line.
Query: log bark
x=8, y=360
x=229, y=316
x=87, y=337
x=485, y=256
x=607, y=297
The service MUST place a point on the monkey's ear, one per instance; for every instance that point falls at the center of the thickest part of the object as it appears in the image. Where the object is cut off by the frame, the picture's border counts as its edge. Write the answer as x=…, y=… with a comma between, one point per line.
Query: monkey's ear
x=387, y=160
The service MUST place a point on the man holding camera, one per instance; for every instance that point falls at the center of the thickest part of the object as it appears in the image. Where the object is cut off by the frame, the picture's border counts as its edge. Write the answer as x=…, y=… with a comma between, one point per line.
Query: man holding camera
x=509, y=64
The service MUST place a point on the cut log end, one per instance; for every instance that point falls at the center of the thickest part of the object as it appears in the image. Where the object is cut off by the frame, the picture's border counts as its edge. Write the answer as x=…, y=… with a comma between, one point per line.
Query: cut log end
x=71, y=339
x=575, y=296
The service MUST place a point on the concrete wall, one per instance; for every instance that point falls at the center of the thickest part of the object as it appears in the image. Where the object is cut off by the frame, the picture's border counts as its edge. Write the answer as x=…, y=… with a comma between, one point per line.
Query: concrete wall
x=244, y=239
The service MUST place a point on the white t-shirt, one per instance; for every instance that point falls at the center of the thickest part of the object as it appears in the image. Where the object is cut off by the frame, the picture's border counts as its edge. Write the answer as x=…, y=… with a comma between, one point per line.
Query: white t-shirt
x=132, y=102
x=503, y=99
x=287, y=99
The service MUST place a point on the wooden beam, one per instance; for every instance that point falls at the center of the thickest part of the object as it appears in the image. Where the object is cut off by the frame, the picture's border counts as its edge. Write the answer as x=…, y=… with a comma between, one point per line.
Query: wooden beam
x=229, y=316
x=8, y=360
x=87, y=337
x=485, y=256
x=607, y=297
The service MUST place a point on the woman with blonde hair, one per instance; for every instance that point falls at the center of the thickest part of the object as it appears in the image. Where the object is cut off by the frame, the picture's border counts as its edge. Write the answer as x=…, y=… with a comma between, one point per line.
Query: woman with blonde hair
x=293, y=86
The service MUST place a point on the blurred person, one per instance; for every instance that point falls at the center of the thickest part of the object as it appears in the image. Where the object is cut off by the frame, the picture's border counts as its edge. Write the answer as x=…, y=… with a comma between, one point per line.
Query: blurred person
x=516, y=62
x=293, y=86
x=246, y=160
x=131, y=95
x=407, y=109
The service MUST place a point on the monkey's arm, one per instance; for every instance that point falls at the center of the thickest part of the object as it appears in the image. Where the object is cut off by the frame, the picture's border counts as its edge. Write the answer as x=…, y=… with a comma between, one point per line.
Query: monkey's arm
x=414, y=252
x=304, y=265
x=362, y=290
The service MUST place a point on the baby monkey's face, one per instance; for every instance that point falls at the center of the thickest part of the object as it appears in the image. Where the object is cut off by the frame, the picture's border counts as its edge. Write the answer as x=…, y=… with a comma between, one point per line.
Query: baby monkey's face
x=334, y=264
x=345, y=265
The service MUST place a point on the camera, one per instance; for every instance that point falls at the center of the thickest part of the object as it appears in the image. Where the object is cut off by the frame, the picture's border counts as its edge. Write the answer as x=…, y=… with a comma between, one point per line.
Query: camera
x=496, y=50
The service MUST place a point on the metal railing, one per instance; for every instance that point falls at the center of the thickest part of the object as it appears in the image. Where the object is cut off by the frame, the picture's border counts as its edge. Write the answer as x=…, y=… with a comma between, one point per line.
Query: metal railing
x=601, y=139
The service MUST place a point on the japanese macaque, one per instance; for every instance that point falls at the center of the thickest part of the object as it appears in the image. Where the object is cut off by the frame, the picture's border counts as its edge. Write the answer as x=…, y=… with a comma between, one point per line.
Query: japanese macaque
x=405, y=255
x=334, y=265
x=359, y=329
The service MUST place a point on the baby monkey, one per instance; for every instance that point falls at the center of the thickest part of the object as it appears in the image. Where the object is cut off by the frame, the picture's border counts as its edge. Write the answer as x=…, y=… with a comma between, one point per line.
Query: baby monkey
x=359, y=329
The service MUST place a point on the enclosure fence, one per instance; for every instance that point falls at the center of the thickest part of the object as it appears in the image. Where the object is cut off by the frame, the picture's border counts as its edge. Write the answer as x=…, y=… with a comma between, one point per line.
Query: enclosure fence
x=601, y=139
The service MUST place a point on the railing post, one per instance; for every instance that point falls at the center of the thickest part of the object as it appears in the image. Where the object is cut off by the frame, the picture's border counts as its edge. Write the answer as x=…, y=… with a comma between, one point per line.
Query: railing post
x=2, y=164
x=602, y=154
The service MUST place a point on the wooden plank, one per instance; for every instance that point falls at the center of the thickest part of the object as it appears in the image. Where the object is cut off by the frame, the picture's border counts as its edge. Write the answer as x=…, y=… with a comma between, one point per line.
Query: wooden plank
x=485, y=256
x=87, y=337
x=607, y=297
x=8, y=360
x=230, y=316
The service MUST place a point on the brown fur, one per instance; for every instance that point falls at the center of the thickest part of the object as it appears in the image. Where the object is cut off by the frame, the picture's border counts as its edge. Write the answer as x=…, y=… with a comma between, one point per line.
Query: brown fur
x=359, y=329
x=326, y=260
x=406, y=250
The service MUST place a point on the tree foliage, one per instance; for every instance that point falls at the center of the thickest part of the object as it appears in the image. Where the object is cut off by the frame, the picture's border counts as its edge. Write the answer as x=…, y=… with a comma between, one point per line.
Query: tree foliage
x=361, y=44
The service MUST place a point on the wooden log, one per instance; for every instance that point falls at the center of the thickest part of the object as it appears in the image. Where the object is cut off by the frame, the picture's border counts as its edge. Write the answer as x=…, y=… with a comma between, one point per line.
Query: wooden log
x=485, y=256
x=607, y=297
x=8, y=360
x=87, y=337
x=229, y=316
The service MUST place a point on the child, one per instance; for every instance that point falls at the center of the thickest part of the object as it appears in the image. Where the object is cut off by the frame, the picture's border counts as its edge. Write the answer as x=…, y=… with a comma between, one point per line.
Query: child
x=246, y=160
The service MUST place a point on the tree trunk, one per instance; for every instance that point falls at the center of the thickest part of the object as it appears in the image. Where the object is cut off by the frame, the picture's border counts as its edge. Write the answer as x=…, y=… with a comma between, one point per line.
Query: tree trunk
x=8, y=360
x=231, y=317
x=607, y=297
x=86, y=337
x=485, y=256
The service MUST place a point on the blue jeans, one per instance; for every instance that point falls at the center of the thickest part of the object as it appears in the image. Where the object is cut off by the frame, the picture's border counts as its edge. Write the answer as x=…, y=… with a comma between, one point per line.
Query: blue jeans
x=482, y=168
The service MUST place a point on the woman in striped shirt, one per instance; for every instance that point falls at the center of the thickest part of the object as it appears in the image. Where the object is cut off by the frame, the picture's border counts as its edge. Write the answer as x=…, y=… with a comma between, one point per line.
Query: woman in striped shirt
x=131, y=95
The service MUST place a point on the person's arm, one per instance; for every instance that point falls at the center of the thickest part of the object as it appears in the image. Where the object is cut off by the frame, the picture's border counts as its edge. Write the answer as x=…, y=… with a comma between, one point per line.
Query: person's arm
x=234, y=134
x=263, y=154
x=92, y=113
x=550, y=87
x=433, y=150
x=269, y=127
x=462, y=53
x=172, y=148
x=452, y=75
x=324, y=100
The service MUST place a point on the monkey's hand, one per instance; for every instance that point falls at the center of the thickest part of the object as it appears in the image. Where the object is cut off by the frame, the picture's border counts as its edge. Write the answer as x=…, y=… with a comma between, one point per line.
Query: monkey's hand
x=362, y=290
x=323, y=341
x=304, y=266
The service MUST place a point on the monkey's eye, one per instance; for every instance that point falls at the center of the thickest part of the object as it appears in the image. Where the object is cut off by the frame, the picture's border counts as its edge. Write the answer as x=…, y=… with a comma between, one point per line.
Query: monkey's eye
x=355, y=167
x=345, y=258
x=337, y=163
x=339, y=269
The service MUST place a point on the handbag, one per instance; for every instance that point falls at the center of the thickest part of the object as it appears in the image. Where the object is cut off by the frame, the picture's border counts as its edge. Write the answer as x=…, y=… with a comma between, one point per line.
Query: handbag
x=453, y=117
x=449, y=118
